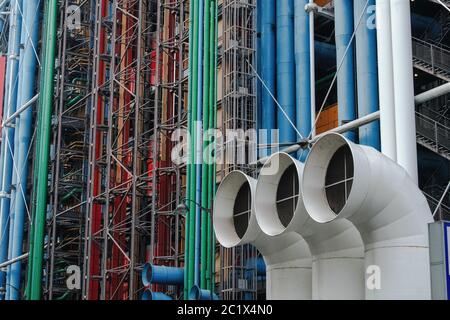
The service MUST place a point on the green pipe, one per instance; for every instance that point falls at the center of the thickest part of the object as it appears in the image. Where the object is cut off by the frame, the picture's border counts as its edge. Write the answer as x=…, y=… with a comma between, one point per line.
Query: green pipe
x=205, y=166
x=70, y=194
x=74, y=100
x=191, y=167
x=42, y=150
x=212, y=241
x=188, y=188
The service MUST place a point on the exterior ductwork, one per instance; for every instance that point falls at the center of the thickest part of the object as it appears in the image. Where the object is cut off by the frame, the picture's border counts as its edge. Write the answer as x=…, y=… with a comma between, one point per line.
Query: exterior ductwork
x=345, y=180
x=287, y=257
x=336, y=247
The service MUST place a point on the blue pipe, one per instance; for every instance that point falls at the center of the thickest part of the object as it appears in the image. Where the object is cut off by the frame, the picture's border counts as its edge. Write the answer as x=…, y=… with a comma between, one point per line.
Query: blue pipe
x=343, y=12
x=259, y=64
x=268, y=67
x=162, y=275
x=201, y=294
x=367, y=74
x=7, y=148
x=302, y=72
x=198, y=164
x=285, y=70
x=23, y=132
x=252, y=264
x=150, y=295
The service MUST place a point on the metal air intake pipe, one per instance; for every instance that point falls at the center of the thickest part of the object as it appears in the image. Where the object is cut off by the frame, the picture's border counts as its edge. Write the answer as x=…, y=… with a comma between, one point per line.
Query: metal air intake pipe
x=288, y=259
x=345, y=180
x=336, y=247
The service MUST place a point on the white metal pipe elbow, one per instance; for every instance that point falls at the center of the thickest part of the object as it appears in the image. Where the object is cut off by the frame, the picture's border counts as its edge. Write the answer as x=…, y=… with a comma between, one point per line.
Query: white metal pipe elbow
x=345, y=180
x=288, y=259
x=336, y=247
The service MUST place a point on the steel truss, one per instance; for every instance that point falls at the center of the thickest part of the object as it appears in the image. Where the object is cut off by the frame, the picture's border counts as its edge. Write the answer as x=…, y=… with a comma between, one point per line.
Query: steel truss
x=70, y=143
x=170, y=116
x=117, y=214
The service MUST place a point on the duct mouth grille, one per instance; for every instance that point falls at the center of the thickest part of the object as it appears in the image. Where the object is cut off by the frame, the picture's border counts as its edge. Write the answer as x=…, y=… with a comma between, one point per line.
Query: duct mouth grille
x=242, y=210
x=339, y=179
x=287, y=195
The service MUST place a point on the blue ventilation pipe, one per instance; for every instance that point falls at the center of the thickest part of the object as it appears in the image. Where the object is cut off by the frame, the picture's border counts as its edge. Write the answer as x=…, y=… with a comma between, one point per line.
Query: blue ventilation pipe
x=268, y=67
x=367, y=74
x=152, y=274
x=150, y=295
x=286, y=70
x=343, y=12
x=7, y=147
x=302, y=71
x=259, y=60
x=196, y=293
x=199, y=148
x=23, y=132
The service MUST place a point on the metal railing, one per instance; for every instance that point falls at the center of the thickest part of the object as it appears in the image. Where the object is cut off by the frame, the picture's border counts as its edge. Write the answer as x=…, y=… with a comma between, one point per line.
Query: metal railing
x=434, y=131
x=435, y=56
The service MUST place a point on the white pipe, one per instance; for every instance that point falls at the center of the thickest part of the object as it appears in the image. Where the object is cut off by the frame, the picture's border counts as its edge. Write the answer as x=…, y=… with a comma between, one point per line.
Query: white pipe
x=432, y=94
x=336, y=247
x=311, y=7
x=384, y=204
x=288, y=259
x=386, y=79
x=405, y=120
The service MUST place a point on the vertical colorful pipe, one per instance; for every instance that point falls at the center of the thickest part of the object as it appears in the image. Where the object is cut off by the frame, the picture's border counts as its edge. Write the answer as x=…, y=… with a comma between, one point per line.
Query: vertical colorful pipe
x=23, y=131
x=198, y=147
x=189, y=171
x=43, y=147
x=206, y=111
x=193, y=82
x=367, y=71
x=7, y=147
x=343, y=17
x=302, y=71
x=268, y=68
x=285, y=69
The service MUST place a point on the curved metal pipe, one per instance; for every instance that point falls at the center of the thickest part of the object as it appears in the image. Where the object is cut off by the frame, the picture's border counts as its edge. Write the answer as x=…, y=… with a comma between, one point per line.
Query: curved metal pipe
x=196, y=293
x=337, y=248
x=152, y=274
x=343, y=180
x=150, y=295
x=287, y=257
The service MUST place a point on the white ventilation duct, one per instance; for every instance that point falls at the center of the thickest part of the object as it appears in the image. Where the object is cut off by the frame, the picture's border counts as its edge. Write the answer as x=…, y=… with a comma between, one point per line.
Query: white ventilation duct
x=336, y=247
x=288, y=259
x=345, y=180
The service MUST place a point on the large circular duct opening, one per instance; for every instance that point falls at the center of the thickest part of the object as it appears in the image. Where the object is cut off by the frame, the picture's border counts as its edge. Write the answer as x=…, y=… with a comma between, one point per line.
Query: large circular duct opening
x=339, y=178
x=277, y=194
x=147, y=274
x=242, y=210
x=233, y=210
x=328, y=177
x=287, y=195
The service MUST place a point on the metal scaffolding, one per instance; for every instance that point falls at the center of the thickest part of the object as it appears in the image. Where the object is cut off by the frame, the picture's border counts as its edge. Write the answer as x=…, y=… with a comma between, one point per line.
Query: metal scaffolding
x=67, y=195
x=170, y=117
x=117, y=185
x=238, y=112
